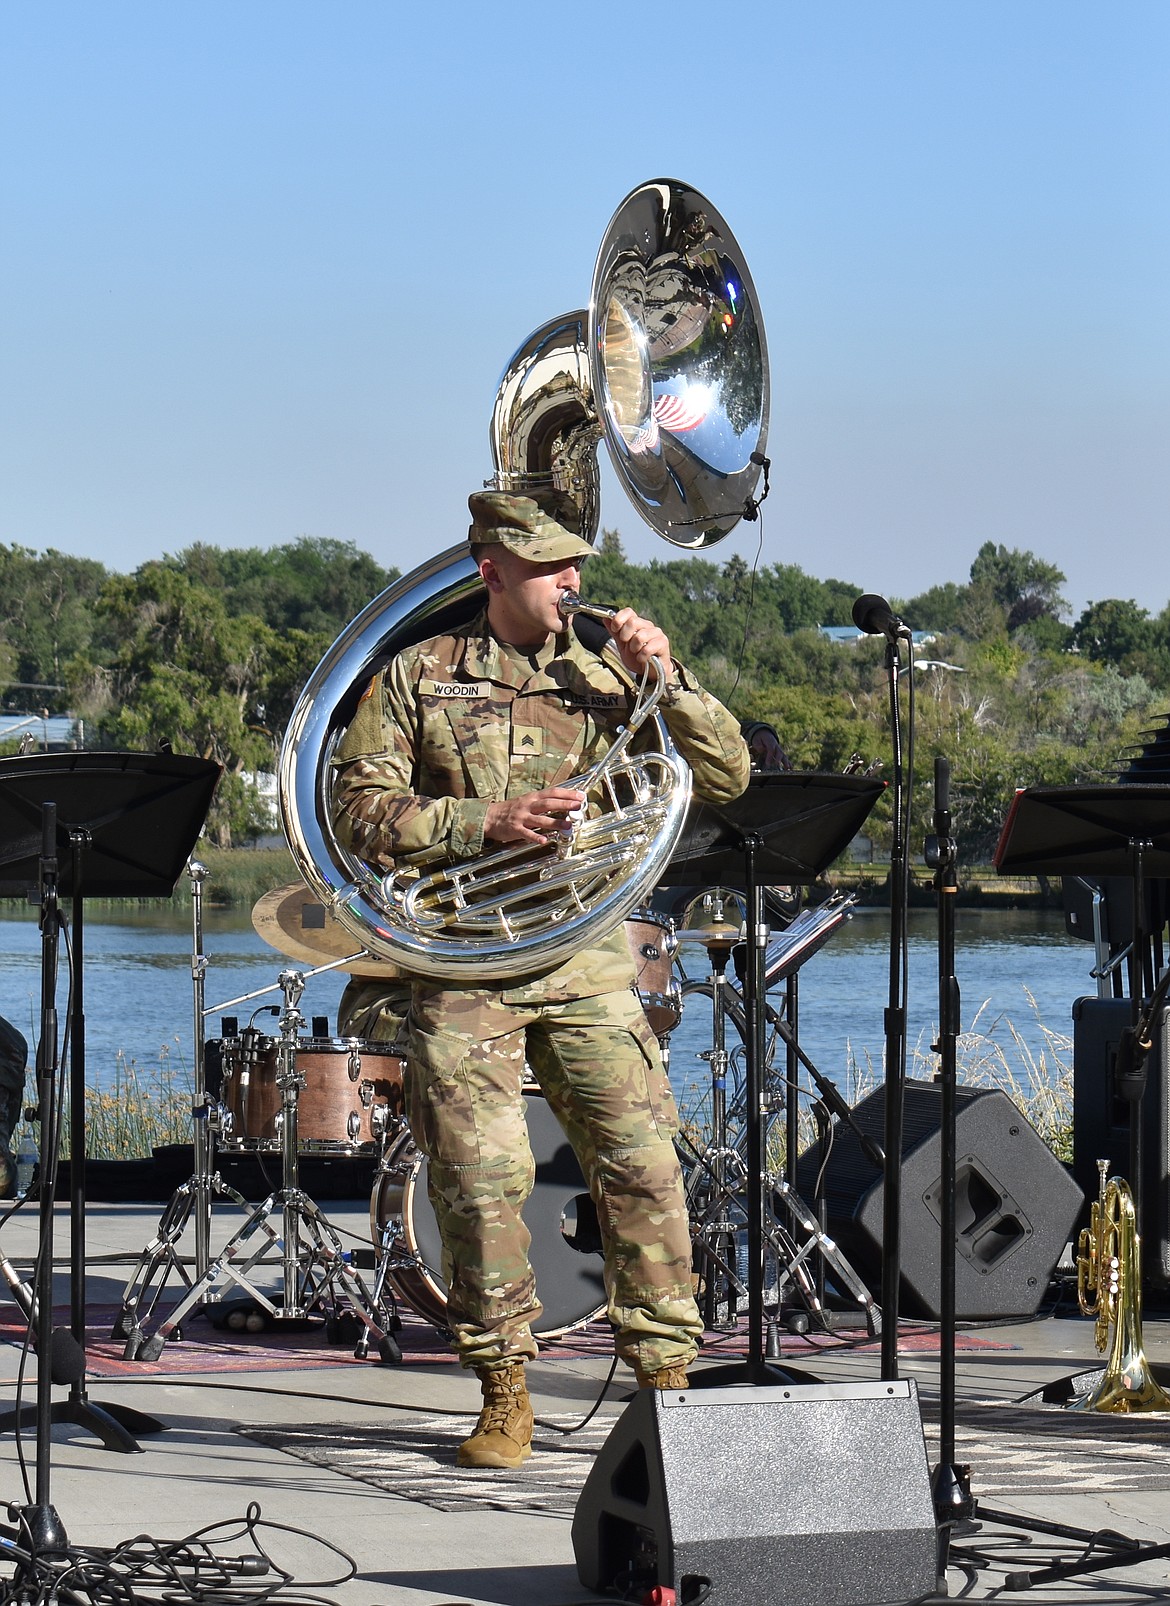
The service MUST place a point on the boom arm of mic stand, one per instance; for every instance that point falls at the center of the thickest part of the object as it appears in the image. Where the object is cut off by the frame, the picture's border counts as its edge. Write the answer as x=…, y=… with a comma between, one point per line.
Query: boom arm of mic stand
x=831, y=1095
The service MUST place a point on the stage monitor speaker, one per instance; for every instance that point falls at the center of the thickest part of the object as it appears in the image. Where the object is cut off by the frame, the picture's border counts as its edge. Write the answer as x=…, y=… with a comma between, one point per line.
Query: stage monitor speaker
x=1101, y=1121
x=816, y=1495
x=1016, y=1204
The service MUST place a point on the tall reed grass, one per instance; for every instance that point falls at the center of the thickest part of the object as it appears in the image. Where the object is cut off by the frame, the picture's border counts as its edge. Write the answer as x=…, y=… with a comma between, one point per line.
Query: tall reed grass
x=991, y=1053
x=143, y=1107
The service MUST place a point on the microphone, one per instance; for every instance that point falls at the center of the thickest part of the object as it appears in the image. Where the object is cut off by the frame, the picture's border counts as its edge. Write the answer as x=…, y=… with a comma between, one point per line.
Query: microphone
x=874, y=616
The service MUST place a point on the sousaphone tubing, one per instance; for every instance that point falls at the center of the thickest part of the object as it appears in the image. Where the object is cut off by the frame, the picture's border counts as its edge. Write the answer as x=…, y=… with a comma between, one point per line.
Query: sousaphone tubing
x=669, y=366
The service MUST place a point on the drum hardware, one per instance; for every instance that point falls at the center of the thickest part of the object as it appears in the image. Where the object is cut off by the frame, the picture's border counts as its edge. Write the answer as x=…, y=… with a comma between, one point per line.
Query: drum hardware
x=191, y=1202
x=653, y=943
x=796, y=1249
x=317, y=1274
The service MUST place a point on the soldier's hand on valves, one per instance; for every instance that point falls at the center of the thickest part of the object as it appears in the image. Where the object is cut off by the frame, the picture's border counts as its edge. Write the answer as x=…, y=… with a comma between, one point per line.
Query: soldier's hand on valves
x=638, y=640
x=534, y=816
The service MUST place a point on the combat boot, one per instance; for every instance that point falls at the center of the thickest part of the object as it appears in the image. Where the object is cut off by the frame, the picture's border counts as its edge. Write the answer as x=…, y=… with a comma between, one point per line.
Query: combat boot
x=503, y=1434
x=673, y=1376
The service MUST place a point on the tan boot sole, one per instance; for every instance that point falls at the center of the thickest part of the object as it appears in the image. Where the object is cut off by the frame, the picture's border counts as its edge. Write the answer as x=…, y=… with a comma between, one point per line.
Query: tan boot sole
x=492, y=1458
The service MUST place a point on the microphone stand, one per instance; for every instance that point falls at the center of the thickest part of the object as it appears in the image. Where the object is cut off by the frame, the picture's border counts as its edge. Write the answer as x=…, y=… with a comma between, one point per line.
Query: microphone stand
x=950, y=1484
x=874, y=616
x=46, y=1531
x=895, y=1023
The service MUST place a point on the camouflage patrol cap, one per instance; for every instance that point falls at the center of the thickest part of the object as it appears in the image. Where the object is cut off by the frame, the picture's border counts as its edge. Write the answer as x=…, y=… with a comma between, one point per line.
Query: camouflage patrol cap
x=520, y=525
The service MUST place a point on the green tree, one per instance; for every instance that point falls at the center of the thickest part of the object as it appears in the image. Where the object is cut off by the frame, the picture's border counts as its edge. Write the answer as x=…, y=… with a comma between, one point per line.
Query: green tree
x=185, y=672
x=313, y=584
x=1023, y=585
x=1112, y=631
x=47, y=619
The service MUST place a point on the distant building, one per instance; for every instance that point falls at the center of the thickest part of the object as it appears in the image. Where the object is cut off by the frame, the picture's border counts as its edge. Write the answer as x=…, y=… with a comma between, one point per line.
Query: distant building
x=49, y=733
x=850, y=633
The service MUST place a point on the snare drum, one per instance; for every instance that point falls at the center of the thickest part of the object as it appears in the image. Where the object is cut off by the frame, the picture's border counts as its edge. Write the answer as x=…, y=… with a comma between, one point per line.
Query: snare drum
x=351, y=1098
x=568, y=1279
x=652, y=944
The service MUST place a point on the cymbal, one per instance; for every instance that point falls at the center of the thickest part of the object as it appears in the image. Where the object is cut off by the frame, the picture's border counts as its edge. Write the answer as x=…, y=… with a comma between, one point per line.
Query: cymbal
x=295, y=922
x=715, y=918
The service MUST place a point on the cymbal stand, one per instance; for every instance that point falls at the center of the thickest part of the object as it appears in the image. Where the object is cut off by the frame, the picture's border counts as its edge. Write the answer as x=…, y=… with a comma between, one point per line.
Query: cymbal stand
x=316, y=1273
x=193, y=1198
x=717, y=1180
x=718, y=1174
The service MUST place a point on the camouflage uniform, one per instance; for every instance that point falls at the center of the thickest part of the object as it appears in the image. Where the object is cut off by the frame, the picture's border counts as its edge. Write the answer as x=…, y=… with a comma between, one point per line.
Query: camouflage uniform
x=373, y=1009
x=451, y=725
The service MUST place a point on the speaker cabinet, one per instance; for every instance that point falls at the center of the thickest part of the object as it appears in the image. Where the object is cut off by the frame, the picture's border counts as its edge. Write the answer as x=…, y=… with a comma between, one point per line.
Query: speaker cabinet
x=1015, y=1203
x=1101, y=1121
x=814, y=1495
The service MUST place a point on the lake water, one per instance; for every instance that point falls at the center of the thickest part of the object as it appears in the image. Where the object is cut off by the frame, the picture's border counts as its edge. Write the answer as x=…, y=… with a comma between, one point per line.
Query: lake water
x=1018, y=972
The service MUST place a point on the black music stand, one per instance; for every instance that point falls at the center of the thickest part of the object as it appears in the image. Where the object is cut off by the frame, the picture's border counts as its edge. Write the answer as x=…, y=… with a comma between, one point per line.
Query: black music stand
x=126, y=825
x=784, y=830
x=1099, y=830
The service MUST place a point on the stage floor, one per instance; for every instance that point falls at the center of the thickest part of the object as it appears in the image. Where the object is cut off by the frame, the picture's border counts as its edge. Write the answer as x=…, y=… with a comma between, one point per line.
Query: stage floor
x=358, y=1453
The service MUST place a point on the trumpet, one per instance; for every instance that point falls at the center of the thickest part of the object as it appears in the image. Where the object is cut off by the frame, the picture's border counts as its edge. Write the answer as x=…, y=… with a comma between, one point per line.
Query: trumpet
x=1109, y=1287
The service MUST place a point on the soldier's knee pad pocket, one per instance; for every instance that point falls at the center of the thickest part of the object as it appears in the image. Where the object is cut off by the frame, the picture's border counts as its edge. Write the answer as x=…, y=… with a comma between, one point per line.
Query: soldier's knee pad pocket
x=439, y=1106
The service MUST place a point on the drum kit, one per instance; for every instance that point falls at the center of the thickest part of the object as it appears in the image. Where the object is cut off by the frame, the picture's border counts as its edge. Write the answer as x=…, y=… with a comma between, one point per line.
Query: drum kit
x=281, y=1099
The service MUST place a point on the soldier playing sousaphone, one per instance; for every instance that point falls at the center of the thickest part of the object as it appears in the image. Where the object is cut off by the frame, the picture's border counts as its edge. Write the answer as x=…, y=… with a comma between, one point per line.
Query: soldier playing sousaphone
x=467, y=741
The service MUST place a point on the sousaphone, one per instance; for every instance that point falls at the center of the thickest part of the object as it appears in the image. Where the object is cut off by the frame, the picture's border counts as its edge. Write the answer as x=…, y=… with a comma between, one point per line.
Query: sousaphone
x=669, y=365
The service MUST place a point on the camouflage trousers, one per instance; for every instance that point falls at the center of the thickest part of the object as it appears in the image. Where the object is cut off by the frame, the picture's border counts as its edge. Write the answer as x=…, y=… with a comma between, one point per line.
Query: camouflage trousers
x=598, y=1065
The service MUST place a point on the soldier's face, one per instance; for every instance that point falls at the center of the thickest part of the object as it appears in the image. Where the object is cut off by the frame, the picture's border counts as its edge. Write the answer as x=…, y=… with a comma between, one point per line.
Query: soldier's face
x=523, y=597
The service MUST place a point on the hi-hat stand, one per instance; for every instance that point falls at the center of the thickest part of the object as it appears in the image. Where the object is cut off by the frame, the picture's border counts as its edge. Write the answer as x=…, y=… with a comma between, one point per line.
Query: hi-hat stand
x=316, y=1273
x=192, y=1200
x=797, y=1248
x=130, y=821
x=784, y=830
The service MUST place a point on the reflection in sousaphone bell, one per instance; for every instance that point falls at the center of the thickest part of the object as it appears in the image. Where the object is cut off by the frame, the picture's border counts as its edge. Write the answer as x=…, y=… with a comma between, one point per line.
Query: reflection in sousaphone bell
x=714, y=918
x=297, y=924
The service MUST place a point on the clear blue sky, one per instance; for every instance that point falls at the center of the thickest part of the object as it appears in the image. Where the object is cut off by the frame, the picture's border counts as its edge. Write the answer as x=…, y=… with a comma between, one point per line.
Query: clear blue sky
x=264, y=261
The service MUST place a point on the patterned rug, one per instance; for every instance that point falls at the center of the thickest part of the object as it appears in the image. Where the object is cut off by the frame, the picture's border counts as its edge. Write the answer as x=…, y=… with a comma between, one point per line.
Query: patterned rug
x=1024, y=1449
x=1012, y=1450
x=305, y=1346
x=417, y=1461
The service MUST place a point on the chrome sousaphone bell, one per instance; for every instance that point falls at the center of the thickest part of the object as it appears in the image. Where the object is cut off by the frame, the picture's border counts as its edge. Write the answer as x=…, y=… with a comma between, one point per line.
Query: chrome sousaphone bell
x=669, y=365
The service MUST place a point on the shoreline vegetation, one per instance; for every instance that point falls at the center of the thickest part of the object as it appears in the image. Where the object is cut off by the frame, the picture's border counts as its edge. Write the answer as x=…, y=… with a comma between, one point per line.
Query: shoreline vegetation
x=239, y=877
x=148, y=1109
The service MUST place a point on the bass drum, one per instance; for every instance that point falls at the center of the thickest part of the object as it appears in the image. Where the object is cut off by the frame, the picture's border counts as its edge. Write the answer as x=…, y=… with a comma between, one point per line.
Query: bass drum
x=566, y=1248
